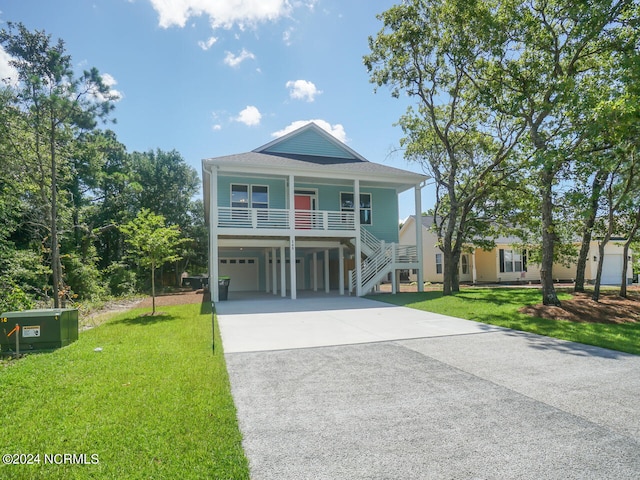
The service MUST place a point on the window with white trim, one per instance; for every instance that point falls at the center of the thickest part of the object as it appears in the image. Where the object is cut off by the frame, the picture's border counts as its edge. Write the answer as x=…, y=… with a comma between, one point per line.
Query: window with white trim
x=259, y=196
x=366, y=211
x=244, y=195
x=513, y=260
x=239, y=196
x=438, y=263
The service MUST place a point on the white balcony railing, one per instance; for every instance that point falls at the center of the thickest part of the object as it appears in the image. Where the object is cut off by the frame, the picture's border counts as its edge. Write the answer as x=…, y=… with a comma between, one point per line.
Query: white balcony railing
x=279, y=219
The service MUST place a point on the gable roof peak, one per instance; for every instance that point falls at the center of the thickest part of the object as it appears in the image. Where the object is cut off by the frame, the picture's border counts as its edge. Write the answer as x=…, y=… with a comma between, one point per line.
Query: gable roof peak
x=310, y=140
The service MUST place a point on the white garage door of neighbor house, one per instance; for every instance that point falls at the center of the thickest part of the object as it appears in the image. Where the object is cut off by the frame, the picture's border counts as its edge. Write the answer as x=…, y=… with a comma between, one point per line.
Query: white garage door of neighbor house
x=612, y=270
x=243, y=273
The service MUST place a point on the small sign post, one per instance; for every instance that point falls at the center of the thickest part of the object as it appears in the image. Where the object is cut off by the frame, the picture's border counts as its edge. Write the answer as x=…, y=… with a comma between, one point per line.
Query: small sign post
x=17, y=340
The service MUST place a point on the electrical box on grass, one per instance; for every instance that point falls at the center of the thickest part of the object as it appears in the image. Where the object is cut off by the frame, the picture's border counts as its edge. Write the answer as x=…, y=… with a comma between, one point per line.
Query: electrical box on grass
x=44, y=329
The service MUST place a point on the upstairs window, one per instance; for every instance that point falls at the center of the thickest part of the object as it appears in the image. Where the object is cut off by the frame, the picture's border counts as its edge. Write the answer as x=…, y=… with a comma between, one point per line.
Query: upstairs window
x=244, y=195
x=438, y=263
x=347, y=205
x=259, y=196
x=240, y=196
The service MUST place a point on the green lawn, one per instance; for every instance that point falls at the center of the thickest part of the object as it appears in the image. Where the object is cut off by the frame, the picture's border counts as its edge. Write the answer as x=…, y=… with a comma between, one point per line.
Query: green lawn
x=499, y=306
x=154, y=403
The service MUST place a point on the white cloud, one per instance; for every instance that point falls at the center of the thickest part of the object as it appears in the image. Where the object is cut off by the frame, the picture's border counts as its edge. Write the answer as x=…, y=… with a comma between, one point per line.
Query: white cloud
x=208, y=44
x=286, y=36
x=216, y=127
x=110, y=82
x=336, y=130
x=235, y=60
x=8, y=73
x=302, y=90
x=113, y=95
x=250, y=116
x=221, y=13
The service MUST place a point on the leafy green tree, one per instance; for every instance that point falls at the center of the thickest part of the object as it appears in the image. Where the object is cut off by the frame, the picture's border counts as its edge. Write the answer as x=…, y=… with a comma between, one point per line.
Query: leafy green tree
x=152, y=243
x=542, y=62
x=56, y=106
x=427, y=49
x=111, y=199
x=167, y=184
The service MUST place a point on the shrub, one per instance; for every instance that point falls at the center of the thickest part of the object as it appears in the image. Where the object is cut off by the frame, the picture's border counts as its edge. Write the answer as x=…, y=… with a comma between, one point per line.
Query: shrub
x=121, y=279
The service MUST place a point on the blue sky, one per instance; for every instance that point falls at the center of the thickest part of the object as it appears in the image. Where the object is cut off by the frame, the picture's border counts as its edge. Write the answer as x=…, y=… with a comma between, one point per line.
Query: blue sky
x=216, y=77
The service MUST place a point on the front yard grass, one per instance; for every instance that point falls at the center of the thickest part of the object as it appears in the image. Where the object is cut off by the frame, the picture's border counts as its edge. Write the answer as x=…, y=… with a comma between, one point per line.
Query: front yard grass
x=499, y=306
x=154, y=403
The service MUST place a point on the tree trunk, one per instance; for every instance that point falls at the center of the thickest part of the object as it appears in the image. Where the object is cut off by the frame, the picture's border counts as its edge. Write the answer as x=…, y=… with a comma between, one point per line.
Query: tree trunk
x=56, y=269
x=153, y=289
x=596, y=189
x=625, y=262
x=582, y=260
x=549, y=296
x=447, y=269
x=596, y=286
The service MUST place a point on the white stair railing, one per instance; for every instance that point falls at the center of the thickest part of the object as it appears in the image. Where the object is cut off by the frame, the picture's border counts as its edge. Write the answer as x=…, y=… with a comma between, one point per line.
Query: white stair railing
x=382, y=258
x=370, y=243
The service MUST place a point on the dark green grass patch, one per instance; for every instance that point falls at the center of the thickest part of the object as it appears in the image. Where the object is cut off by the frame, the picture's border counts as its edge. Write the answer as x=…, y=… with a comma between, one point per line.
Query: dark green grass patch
x=154, y=403
x=499, y=306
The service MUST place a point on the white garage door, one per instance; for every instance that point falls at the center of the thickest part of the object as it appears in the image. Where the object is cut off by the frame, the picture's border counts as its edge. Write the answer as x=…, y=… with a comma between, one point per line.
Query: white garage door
x=243, y=273
x=612, y=270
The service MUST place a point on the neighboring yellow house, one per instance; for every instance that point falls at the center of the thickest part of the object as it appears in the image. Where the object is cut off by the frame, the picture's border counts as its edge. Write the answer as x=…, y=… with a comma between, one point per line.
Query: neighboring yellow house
x=506, y=263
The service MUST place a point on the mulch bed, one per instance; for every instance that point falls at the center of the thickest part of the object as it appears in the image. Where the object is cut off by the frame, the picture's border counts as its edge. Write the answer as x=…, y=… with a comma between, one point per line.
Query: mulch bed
x=581, y=308
x=178, y=298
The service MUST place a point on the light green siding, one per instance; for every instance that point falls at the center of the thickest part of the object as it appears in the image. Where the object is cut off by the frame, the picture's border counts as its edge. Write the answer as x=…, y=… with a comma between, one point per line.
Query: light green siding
x=309, y=143
x=277, y=196
x=384, y=201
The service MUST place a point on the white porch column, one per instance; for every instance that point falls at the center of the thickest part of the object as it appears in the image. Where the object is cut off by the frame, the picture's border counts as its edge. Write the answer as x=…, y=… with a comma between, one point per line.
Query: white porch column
x=315, y=271
x=394, y=272
x=214, y=263
x=274, y=270
x=292, y=237
x=356, y=214
x=394, y=281
x=267, y=288
x=292, y=263
x=341, y=268
x=283, y=273
x=474, y=274
x=326, y=271
x=419, y=246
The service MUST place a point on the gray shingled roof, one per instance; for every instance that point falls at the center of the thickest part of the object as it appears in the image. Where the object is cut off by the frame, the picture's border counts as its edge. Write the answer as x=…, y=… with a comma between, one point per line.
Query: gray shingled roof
x=328, y=164
x=427, y=222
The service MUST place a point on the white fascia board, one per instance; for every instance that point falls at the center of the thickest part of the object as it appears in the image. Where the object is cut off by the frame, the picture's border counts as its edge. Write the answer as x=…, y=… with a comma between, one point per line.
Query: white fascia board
x=266, y=243
x=400, y=182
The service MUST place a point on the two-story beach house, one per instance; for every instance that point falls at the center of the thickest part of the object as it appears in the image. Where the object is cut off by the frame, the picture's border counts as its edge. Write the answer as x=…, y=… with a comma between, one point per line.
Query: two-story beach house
x=306, y=212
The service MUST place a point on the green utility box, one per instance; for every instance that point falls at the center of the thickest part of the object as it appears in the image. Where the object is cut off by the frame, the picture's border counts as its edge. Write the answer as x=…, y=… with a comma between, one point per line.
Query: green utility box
x=44, y=329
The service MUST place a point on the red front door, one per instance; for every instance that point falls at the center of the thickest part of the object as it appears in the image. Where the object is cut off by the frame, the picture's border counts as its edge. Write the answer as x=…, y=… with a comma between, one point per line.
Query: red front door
x=303, y=215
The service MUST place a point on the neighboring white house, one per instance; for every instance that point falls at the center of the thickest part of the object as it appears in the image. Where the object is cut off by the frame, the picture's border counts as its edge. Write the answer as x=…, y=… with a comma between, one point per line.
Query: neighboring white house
x=303, y=211
x=508, y=264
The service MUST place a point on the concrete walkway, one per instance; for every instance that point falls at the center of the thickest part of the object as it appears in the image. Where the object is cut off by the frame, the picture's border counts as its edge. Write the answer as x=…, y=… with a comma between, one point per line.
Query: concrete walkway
x=428, y=397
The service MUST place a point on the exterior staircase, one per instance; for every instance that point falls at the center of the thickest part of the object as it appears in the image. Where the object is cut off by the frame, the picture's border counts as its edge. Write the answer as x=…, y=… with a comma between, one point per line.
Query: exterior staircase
x=381, y=258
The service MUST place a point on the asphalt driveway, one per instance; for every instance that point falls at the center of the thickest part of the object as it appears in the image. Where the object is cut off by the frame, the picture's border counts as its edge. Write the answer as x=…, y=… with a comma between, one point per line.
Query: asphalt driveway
x=401, y=394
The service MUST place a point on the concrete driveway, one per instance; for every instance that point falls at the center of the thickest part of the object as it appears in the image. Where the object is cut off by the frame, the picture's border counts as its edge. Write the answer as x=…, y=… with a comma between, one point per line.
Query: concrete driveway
x=391, y=393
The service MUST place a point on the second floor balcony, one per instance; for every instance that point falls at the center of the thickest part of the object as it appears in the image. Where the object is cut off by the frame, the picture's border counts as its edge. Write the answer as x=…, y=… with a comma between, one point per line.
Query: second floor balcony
x=274, y=221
